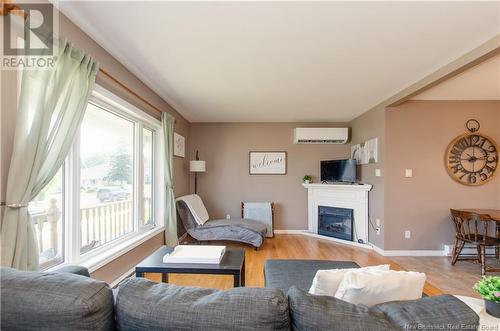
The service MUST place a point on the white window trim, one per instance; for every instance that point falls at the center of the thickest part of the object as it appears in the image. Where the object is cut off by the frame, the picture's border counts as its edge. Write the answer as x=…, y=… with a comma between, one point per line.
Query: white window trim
x=100, y=260
x=101, y=256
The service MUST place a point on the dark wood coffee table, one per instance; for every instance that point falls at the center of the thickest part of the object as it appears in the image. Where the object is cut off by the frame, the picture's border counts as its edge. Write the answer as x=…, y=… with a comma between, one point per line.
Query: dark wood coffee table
x=233, y=263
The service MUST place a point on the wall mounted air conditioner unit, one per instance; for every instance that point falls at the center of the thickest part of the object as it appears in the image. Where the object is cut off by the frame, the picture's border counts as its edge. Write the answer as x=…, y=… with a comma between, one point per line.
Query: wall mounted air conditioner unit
x=320, y=135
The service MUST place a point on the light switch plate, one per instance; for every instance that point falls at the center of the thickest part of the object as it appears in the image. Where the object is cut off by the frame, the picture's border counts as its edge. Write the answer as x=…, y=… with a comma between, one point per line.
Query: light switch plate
x=378, y=172
x=377, y=222
x=408, y=173
x=228, y=216
x=407, y=234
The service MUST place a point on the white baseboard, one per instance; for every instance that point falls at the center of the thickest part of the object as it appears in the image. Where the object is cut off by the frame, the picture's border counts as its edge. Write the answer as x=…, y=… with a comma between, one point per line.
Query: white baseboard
x=368, y=246
x=419, y=252
x=289, y=231
x=122, y=277
x=468, y=250
x=318, y=236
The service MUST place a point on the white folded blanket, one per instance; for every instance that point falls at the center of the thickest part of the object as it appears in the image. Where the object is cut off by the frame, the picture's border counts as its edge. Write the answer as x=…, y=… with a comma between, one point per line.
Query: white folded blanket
x=259, y=211
x=196, y=207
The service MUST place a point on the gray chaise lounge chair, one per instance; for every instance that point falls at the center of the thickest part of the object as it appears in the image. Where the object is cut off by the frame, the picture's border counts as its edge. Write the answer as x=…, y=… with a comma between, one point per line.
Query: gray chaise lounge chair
x=240, y=230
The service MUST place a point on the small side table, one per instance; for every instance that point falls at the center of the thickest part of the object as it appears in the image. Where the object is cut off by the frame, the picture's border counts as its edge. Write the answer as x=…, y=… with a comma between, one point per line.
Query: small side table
x=233, y=263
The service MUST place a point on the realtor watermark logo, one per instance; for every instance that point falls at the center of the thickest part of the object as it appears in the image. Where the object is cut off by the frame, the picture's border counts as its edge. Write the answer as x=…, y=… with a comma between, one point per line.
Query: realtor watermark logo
x=27, y=36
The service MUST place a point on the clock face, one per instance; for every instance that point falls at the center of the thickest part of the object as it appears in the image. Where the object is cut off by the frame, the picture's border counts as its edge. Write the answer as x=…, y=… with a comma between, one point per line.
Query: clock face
x=472, y=159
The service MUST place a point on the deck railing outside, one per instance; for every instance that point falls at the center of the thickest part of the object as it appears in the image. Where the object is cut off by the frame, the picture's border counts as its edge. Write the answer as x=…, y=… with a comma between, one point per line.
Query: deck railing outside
x=99, y=225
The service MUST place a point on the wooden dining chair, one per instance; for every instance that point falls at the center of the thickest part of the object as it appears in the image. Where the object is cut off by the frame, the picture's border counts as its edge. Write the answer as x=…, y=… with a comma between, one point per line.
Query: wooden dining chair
x=472, y=228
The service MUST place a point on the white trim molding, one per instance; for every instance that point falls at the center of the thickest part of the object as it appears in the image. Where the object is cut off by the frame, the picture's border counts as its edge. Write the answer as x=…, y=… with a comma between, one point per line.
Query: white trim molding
x=419, y=252
x=318, y=236
x=112, y=253
x=370, y=246
x=290, y=231
x=469, y=251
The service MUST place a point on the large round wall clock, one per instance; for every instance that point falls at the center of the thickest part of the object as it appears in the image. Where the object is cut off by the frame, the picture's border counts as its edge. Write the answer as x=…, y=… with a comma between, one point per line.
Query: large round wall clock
x=472, y=158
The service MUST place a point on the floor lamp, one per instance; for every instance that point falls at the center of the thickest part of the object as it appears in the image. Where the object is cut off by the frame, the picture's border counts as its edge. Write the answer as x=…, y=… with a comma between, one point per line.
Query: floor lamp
x=196, y=166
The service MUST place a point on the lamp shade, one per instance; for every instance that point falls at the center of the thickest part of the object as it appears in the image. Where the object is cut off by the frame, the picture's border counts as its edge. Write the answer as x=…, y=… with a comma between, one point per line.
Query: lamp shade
x=197, y=166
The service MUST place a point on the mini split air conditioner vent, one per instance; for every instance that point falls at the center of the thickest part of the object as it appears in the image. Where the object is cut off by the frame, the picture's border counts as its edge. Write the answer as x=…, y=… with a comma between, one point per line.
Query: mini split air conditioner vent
x=321, y=135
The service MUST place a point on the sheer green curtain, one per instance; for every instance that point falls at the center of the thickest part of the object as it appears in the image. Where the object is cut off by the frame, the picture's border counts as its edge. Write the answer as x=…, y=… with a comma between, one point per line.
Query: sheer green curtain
x=167, y=122
x=51, y=107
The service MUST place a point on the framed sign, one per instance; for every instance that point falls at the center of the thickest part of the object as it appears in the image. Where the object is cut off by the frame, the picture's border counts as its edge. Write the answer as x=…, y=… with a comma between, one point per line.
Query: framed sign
x=267, y=163
x=179, y=145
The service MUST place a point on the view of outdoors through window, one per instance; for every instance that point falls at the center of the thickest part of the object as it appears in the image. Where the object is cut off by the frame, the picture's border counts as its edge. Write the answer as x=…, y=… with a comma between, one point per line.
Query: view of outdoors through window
x=46, y=213
x=147, y=141
x=106, y=177
x=104, y=191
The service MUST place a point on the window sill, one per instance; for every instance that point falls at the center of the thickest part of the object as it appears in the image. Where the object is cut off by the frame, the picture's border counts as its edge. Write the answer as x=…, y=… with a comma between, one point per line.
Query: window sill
x=95, y=262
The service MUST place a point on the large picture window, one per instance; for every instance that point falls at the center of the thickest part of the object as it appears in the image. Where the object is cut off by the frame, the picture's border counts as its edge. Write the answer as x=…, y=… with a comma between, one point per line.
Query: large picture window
x=106, y=178
x=104, y=196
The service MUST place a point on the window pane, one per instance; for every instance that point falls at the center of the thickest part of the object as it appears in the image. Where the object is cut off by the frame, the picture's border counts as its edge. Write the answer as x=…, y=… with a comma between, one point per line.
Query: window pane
x=147, y=142
x=46, y=214
x=106, y=178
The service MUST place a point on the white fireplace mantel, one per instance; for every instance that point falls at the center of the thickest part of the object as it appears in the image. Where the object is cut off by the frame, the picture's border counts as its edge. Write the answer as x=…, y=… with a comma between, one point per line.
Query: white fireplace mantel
x=352, y=196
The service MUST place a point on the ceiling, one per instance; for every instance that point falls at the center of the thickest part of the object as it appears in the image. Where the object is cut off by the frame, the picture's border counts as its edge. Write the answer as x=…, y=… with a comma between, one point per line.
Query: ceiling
x=481, y=82
x=283, y=61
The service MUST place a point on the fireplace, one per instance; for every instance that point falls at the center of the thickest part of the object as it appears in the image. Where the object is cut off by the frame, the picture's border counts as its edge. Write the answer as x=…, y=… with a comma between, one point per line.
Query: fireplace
x=335, y=222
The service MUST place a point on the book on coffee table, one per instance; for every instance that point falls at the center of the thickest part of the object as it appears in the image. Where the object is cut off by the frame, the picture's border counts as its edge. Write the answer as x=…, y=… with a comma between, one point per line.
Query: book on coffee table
x=195, y=254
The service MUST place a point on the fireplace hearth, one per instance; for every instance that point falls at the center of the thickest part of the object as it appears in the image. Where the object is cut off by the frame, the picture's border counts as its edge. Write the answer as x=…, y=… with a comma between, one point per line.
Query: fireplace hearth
x=335, y=222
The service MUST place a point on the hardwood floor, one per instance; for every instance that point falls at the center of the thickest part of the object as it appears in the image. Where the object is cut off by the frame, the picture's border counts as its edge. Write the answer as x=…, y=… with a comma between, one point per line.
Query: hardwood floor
x=457, y=279
x=288, y=246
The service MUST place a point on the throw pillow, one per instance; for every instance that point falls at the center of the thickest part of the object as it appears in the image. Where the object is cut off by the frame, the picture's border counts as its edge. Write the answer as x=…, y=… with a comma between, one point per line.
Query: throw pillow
x=373, y=287
x=326, y=282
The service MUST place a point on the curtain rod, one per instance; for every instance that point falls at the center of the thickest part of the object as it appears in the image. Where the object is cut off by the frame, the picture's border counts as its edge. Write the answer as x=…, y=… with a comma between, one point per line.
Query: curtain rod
x=10, y=8
x=125, y=87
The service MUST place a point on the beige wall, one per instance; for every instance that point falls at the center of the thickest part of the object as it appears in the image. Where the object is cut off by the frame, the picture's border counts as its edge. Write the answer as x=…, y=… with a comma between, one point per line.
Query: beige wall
x=367, y=126
x=225, y=147
x=110, y=64
x=417, y=135
x=480, y=82
x=117, y=70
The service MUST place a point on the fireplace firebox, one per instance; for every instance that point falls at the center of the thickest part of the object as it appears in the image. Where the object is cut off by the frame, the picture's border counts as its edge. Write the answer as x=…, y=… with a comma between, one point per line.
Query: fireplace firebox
x=335, y=222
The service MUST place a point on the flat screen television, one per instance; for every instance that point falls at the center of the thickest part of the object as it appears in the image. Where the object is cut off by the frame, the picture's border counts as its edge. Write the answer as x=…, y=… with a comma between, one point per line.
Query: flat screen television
x=338, y=171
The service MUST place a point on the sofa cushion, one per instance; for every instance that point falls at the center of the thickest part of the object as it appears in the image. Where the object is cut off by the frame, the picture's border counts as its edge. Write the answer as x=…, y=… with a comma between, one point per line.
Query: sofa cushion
x=430, y=313
x=310, y=312
x=283, y=274
x=54, y=301
x=145, y=305
x=326, y=282
x=370, y=287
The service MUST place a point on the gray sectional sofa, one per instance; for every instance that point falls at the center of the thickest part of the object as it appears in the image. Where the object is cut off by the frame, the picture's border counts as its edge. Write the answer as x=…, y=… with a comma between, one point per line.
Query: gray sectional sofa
x=67, y=301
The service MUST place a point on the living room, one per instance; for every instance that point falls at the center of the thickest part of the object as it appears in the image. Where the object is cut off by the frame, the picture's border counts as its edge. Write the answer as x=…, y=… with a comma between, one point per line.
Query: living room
x=294, y=141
